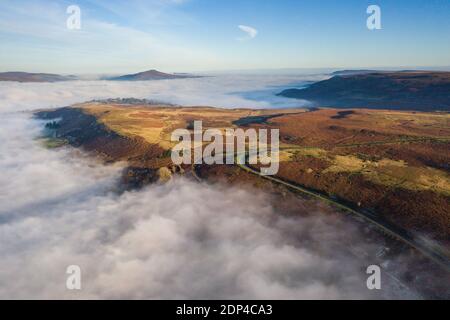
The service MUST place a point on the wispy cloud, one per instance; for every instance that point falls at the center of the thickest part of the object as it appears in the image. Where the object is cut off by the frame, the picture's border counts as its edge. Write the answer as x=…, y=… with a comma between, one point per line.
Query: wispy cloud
x=250, y=31
x=38, y=30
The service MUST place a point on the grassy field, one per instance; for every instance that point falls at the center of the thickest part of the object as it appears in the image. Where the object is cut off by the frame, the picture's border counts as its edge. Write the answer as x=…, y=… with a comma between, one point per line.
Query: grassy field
x=156, y=124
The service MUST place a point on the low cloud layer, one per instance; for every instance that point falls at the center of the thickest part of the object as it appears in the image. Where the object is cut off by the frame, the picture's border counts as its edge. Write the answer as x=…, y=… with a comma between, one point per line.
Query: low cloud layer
x=229, y=91
x=179, y=240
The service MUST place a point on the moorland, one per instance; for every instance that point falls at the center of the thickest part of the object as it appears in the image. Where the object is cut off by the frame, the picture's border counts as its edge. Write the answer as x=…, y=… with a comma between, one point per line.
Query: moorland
x=390, y=165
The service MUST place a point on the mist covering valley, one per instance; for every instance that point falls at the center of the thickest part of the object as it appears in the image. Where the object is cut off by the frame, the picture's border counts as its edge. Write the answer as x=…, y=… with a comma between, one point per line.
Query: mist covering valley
x=182, y=239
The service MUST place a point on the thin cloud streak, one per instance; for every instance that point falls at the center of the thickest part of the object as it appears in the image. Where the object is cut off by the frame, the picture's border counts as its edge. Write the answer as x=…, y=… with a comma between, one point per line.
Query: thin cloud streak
x=250, y=31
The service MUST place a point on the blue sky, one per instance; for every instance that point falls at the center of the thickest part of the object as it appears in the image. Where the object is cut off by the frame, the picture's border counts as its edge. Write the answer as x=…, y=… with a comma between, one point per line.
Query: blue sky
x=200, y=35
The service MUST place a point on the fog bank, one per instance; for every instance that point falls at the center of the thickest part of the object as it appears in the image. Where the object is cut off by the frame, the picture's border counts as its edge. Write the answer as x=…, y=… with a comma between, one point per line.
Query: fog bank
x=179, y=240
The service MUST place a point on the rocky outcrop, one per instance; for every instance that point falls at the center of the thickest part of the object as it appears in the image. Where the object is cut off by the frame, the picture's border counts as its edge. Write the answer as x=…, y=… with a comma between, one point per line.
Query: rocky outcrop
x=82, y=130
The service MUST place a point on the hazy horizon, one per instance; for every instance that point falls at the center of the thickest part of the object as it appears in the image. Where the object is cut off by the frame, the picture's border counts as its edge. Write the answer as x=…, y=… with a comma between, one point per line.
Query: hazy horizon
x=277, y=71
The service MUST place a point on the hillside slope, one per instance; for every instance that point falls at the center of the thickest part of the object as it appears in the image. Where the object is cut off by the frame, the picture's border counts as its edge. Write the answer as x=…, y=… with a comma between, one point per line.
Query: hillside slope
x=409, y=90
x=150, y=75
x=391, y=164
x=33, y=77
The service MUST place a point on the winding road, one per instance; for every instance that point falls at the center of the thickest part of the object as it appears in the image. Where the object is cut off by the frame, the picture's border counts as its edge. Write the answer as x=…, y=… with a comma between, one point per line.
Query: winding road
x=431, y=250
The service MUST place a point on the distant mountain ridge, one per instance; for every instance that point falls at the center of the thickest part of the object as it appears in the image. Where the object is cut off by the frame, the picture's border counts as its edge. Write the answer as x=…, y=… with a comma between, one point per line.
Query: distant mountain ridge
x=352, y=72
x=49, y=77
x=33, y=77
x=151, y=75
x=400, y=90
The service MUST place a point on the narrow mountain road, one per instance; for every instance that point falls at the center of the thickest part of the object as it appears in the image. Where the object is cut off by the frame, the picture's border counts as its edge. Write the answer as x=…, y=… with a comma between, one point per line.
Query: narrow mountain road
x=431, y=250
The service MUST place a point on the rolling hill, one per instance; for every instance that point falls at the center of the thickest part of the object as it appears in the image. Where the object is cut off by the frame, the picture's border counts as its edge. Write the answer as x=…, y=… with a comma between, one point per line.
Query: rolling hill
x=392, y=165
x=405, y=90
x=151, y=75
x=33, y=77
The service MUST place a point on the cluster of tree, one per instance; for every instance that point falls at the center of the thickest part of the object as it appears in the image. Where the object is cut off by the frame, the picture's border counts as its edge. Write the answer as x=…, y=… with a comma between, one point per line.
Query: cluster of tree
x=52, y=125
x=131, y=101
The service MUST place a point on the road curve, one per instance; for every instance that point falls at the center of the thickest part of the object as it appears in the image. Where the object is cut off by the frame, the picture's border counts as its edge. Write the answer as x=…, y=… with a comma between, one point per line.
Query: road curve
x=432, y=251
